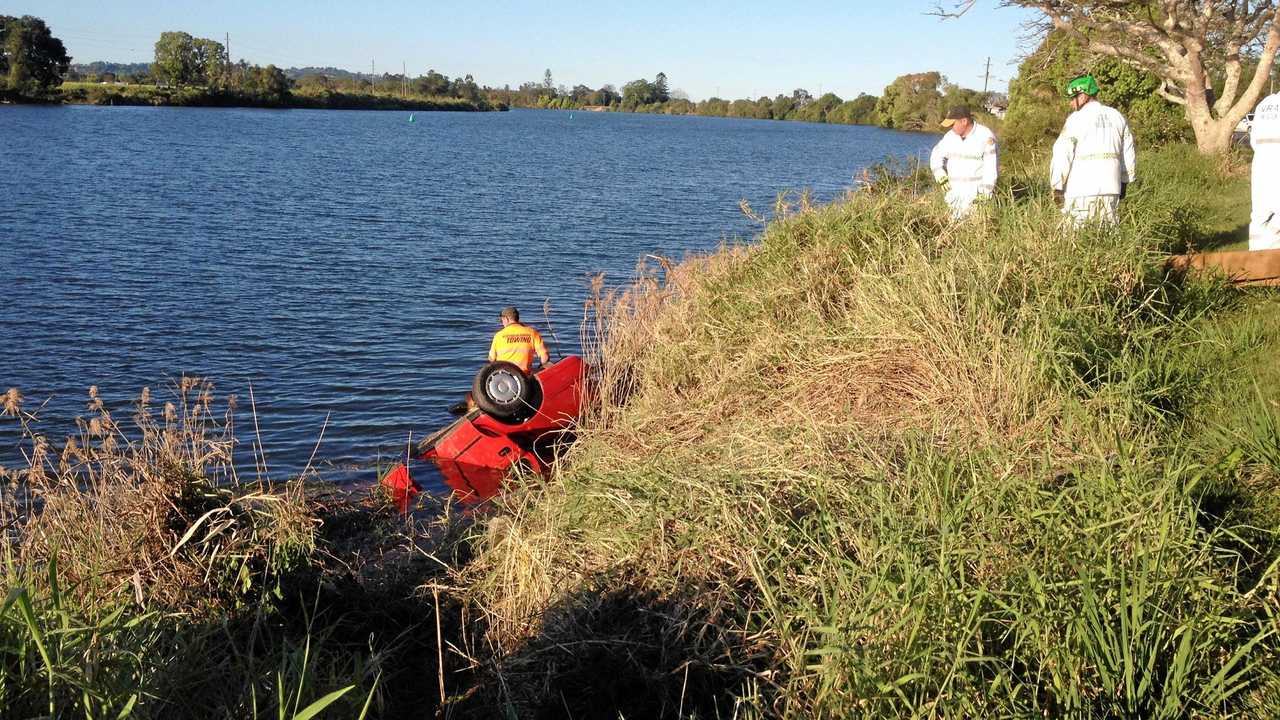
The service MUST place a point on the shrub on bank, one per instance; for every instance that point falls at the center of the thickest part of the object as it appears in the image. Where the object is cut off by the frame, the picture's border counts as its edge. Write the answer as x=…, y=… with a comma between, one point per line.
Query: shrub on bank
x=147, y=578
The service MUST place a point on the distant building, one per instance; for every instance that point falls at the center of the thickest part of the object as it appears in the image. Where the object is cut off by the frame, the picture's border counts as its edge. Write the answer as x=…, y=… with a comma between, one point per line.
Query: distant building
x=997, y=108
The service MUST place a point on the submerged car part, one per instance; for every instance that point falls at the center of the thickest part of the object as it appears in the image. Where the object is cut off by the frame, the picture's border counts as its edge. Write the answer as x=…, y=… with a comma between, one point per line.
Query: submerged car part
x=478, y=451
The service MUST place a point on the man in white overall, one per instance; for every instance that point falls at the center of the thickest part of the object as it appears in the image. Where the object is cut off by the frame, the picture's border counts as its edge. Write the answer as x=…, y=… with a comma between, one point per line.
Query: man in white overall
x=1093, y=157
x=964, y=161
x=1264, y=136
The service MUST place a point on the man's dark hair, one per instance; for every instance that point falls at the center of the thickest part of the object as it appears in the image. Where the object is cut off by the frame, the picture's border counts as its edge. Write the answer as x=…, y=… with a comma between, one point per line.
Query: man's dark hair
x=510, y=313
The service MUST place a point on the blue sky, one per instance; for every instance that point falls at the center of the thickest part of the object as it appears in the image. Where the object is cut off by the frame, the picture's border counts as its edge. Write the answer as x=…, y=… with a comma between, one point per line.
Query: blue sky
x=735, y=49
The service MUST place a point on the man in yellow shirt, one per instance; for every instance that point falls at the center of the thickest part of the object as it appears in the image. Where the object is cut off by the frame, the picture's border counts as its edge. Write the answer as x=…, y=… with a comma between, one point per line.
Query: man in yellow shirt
x=516, y=343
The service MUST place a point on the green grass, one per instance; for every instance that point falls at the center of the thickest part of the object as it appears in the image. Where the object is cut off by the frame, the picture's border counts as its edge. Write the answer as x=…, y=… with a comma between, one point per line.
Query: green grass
x=881, y=464
x=875, y=464
x=145, y=579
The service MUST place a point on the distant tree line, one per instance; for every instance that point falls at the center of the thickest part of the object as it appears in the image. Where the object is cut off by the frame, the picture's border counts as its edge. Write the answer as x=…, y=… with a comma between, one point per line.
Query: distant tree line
x=109, y=72
x=915, y=101
x=911, y=102
x=192, y=70
x=432, y=84
x=181, y=59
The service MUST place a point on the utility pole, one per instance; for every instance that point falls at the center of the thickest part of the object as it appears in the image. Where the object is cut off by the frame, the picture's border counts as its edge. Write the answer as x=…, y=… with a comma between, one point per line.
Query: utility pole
x=373, y=78
x=228, y=72
x=985, y=79
x=404, y=76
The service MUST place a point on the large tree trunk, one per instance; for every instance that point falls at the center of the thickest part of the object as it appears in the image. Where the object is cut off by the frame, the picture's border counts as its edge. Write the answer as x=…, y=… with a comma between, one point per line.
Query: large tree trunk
x=1213, y=134
x=1215, y=137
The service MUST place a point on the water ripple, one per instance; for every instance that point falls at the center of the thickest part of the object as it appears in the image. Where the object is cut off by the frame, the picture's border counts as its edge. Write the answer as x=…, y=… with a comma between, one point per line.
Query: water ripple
x=349, y=265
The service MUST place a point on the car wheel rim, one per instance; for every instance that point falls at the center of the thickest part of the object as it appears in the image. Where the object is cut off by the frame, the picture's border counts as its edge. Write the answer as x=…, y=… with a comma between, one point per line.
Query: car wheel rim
x=503, y=387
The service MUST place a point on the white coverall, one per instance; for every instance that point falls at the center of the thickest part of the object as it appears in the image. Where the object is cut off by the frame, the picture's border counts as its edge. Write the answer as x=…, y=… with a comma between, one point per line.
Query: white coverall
x=1264, y=221
x=1092, y=158
x=969, y=163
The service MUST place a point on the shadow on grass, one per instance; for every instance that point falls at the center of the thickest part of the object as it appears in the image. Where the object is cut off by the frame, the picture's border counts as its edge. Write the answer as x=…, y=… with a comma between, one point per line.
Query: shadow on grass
x=620, y=652
x=366, y=614
x=1234, y=239
x=358, y=616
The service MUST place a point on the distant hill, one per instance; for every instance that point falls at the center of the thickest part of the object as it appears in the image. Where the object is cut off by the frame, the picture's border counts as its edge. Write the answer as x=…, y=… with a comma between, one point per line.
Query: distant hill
x=99, y=67
x=294, y=73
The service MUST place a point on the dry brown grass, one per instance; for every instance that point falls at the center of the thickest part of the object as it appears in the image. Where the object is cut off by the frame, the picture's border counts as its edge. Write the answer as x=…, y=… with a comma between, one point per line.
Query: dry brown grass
x=877, y=464
x=837, y=346
x=151, y=506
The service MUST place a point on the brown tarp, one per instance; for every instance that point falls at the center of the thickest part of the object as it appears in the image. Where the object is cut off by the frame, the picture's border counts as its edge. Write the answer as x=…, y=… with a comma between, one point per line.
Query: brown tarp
x=1242, y=267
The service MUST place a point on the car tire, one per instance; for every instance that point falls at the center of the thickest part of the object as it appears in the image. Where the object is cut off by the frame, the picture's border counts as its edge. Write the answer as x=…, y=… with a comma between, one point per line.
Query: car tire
x=502, y=390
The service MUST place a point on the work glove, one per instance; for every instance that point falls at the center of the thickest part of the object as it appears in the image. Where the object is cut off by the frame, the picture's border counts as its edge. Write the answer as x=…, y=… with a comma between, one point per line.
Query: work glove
x=944, y=182
x=1124, y=188
x=1059, y=198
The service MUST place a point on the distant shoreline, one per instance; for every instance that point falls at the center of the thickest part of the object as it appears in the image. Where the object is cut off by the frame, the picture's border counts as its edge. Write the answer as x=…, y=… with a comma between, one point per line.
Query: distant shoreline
x=73, y=93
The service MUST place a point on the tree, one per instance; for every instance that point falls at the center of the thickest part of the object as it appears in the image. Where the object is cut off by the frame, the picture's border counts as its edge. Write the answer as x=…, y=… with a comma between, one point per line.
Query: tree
x=32, y=60
x=859, y=111
x=315, y=84
x=638, y=92
x=1036, y=106
x=1185, y=44
x=742, y=109
x=174, y=59
x=680, y=106
x=783, y=106
x=466, y=88
x=714, y=107
x=816, y=110
x=912, y=102
x=268, y=83
x=209, y=62
x=606, y=95
x=660, y=92
x=433, y=83
x=547, y=83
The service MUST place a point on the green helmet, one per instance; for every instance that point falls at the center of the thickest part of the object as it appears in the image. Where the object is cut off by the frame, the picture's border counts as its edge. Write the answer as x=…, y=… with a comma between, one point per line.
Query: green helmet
x=1083, y=84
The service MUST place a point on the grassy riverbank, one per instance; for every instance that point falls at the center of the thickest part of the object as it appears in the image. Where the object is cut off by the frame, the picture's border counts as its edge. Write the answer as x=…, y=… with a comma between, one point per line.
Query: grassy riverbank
x=884, y=465
x=112, y=94
x=876, y=464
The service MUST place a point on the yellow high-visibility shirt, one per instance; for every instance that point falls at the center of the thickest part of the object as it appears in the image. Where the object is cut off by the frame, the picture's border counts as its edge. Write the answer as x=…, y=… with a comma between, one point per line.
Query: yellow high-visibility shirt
x=517, y=343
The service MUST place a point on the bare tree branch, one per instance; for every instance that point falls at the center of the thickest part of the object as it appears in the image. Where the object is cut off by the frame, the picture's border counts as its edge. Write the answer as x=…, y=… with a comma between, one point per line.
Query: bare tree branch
x=1184, y=43
x=953, y=9
x=1164, y=92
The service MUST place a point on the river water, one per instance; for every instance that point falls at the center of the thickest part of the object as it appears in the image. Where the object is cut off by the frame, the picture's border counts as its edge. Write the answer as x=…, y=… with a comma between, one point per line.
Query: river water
x=350, y=265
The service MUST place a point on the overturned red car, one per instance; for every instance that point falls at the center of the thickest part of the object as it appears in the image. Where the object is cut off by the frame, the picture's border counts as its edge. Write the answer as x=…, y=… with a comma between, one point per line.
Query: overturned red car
x=518, y=421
